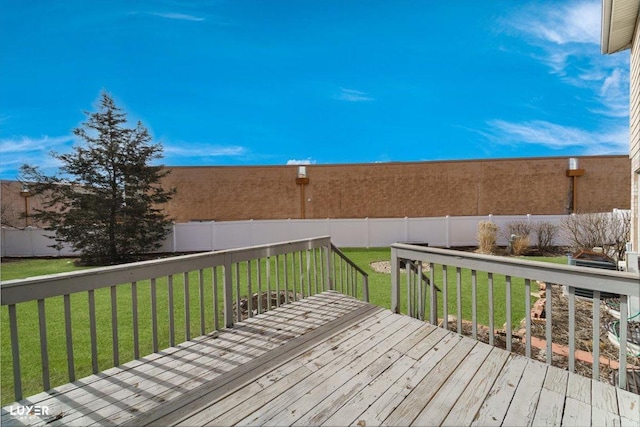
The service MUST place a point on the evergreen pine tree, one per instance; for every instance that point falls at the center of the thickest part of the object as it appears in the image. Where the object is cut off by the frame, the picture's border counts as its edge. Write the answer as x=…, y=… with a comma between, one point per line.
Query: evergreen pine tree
x=106, y=199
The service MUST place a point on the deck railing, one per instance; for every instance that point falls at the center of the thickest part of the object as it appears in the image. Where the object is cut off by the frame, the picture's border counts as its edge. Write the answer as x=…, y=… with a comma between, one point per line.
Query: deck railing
x=135, y=309
x=410, y=289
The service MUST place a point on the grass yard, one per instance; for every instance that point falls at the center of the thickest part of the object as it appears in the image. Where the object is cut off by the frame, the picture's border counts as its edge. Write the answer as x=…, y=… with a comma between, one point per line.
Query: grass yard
x=28, y=327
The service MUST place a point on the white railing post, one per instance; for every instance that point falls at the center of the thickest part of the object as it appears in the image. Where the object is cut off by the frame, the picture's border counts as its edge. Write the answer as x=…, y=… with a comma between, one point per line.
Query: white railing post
x=228, y=292
x=328, y=264
x=395, y=281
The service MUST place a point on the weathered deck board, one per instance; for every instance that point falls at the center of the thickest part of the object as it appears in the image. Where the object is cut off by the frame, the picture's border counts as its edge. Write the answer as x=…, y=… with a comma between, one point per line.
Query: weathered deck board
x=332, y=360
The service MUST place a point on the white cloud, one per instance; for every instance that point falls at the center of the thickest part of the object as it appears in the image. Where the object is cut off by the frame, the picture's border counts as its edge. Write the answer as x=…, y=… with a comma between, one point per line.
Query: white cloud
x=555, y=136
x=202, y=150
x=301, y=162
x=178, y=16
x=577, y=22
x=352, y=95
x=25, y=144
x=17, y=151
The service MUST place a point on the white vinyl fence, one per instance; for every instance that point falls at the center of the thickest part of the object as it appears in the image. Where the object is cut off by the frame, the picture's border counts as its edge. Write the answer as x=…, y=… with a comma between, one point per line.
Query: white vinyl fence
x=362, y=232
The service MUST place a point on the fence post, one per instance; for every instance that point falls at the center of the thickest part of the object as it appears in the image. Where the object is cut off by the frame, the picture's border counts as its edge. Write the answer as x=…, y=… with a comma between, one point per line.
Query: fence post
x=406, y=229
x=213, y=235
x=33, y=250
x=173, y=237
x=368, y=232
x=447, y=231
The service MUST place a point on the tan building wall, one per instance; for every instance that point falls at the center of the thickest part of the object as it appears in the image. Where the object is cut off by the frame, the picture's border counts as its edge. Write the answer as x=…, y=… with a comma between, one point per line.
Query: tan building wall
x=421, y=189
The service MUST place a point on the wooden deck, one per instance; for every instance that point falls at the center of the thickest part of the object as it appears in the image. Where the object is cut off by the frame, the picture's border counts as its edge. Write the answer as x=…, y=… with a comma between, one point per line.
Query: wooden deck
x=332, y=360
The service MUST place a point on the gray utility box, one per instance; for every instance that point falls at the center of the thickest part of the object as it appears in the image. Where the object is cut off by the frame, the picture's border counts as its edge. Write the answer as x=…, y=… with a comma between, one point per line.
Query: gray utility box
x=594, y=260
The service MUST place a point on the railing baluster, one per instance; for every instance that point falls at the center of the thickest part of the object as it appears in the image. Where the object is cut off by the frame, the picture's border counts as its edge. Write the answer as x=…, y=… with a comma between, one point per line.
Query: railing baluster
x=549, y=323
x=249, y=291
x=622, y=354
x=407, y=273
x=421, y=297
x=278, y=280
x=294, y=284
x=354, y=283
x=268, y=284
x=259, y=275
x=507, y=286
x=459, y=298
x=340, y=262
x=445, y=298
x=268, y=299
x=172, y=335
x=315, y=270
x=474, y=304
x=69, y=336
x=92, y=331
x=323, y=267
x=216, y=313
x=301, y=274
x=228, y=292
x=433, y=293
x=201, y=298
x=134, y=318
x=595, y=370
x=187, y=306
x=238, y=308
x=572, y=328
x=44, y=352
x=491, y=314
x=527, y=314
x=308, y=272
x=15, y=352
x=114, y=327
x=286, y=279
x=154, y=316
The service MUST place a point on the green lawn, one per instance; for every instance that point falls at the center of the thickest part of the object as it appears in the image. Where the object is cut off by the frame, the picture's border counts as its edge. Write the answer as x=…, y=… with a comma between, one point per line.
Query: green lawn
x=379, y=290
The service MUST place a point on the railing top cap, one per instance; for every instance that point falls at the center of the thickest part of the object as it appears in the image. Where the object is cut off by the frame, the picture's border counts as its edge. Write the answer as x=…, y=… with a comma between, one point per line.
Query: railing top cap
x=497, y=259
x=95, y=278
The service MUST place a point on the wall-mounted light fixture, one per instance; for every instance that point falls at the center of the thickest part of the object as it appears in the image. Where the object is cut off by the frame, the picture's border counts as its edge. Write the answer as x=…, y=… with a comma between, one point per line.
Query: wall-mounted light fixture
x=574, y=172
x=302, y=179
x=26, y=193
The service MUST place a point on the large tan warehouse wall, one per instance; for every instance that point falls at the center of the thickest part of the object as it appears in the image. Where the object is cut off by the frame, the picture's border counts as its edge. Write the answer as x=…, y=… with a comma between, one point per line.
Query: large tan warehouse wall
x=421, y=189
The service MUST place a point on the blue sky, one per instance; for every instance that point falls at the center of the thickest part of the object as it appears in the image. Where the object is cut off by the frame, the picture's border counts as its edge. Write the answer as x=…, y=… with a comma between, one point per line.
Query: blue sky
x=239, y=82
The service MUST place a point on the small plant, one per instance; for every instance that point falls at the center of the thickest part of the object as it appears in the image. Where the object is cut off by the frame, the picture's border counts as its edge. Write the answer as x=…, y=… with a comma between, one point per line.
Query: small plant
x=519, y=228
x=520, y=245
x=546, y=233
x=517, y=233
x=487, y=236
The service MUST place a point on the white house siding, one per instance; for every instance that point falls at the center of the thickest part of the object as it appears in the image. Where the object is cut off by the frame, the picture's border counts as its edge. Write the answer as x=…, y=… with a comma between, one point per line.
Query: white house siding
x=634, y=138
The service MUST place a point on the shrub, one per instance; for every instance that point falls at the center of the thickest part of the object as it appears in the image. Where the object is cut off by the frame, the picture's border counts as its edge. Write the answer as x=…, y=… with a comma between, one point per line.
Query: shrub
x=519, y=228
x=487, y=236
x=546, y=233
x=520, y=245
x=610, y=231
